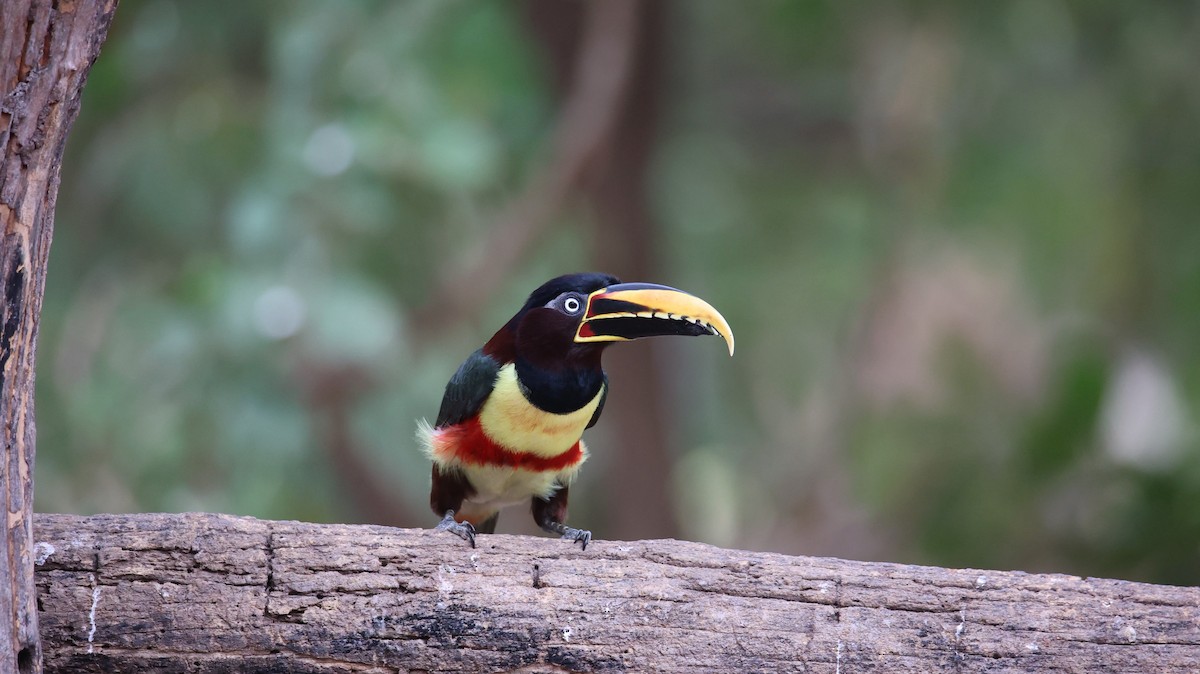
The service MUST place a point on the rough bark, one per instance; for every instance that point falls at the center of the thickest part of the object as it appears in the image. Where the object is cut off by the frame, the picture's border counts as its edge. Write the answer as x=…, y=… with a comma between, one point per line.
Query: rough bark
x=46, y=50
x=215, y=593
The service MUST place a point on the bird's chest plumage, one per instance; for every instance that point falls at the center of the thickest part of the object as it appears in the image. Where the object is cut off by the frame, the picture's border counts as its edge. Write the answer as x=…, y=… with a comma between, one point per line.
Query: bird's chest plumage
x=511, y=421
x=512, y=449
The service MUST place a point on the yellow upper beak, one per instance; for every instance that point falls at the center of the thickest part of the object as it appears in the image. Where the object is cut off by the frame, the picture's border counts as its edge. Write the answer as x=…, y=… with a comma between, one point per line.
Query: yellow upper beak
x=633, y=310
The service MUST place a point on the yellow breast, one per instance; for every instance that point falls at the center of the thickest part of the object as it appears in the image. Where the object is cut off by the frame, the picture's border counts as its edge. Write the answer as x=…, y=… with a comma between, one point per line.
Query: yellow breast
x=513, y=422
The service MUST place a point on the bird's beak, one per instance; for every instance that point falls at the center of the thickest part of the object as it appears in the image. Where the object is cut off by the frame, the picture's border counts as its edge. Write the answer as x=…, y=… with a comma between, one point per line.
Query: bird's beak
x=632, y=310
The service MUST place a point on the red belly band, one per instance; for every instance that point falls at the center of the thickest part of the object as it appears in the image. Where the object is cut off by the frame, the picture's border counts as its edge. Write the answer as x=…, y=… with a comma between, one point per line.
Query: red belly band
x=468, y=443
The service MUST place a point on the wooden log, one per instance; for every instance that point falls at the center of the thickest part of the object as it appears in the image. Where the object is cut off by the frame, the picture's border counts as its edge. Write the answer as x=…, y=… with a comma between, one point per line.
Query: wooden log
x=216, y=593
x=46, y=51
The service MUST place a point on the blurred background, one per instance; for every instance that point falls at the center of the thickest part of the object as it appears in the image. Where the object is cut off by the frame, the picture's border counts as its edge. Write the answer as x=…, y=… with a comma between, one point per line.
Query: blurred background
x=957, y=243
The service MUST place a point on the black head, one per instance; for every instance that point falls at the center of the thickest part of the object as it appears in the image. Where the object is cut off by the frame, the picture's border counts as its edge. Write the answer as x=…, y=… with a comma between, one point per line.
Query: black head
x=543, y=331
x=569, y=320
x=558, y=336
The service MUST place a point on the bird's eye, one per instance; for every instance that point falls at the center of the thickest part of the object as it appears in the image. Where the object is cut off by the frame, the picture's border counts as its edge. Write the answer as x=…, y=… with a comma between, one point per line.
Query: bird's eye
x=572, y=305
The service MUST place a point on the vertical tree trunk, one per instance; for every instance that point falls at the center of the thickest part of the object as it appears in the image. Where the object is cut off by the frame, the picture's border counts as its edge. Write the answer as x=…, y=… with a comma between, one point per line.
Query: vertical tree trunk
x=625, y=243
x=46, y=50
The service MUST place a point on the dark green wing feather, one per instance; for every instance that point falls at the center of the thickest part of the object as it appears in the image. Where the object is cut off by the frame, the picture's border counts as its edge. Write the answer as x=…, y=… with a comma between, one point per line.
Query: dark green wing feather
x=467, y=390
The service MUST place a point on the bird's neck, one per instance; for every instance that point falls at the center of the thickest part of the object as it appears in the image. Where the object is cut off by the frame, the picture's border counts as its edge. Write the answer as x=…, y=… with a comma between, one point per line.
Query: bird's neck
x=556, y=376
x=560, y=390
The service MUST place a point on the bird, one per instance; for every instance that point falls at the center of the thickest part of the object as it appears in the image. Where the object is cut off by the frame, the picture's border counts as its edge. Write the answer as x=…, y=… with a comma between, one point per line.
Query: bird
x=512, y=417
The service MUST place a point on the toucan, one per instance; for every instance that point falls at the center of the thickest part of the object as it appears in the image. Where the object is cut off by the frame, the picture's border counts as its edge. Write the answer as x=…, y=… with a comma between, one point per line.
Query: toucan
x=512, y=417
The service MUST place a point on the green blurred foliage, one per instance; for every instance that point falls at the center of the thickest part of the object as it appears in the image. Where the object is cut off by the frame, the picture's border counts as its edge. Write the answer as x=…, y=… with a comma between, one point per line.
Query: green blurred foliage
x=957, y=242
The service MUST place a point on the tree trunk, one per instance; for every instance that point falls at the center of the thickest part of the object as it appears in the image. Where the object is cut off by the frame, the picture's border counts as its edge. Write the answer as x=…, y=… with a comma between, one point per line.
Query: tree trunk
x=46, y=50
x=214, y=593
x=625, y=241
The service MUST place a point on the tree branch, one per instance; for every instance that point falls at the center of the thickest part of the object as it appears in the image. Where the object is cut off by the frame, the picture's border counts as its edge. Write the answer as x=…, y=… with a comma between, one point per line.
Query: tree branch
x=215, y=593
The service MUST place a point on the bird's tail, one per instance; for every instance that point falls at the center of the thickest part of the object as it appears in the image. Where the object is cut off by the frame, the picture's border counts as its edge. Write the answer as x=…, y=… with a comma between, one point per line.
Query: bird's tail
x=425, y=436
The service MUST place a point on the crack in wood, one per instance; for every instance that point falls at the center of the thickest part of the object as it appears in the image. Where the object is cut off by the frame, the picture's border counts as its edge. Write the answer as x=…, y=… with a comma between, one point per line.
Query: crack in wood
x=270, y=584
x=13, y=304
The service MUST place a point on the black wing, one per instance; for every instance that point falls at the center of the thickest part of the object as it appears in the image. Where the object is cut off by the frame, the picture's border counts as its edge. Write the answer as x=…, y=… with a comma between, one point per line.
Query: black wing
x=467, y=390
x=600, y=407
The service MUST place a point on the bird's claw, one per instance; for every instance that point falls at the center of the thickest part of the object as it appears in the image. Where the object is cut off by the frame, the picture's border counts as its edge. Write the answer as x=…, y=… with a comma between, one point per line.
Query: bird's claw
x=464, y=530
x=580, y=536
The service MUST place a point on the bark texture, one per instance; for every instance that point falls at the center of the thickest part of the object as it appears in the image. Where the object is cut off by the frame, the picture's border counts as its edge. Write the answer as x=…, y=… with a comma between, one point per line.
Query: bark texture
x=214, y=593
x=46, y=50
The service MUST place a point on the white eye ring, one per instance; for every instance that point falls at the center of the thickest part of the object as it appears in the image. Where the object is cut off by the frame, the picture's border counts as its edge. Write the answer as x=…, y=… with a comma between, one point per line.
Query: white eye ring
x=572, y=305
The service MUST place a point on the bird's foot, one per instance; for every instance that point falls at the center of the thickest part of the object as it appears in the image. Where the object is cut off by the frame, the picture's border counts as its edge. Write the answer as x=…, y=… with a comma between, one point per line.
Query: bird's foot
x=463, y=530
x=580, y=536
